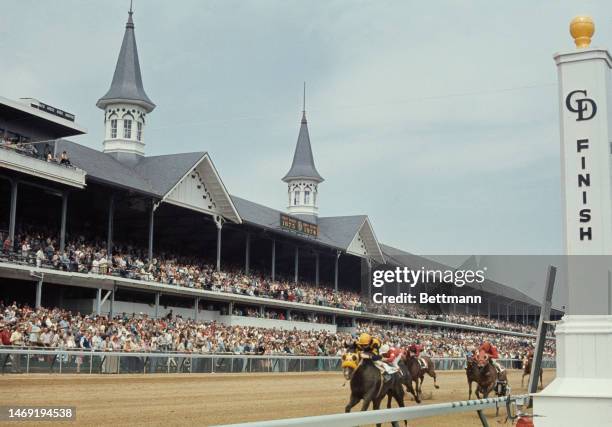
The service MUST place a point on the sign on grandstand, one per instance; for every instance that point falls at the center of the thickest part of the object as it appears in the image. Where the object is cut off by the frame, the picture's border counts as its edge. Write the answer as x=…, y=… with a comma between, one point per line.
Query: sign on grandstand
x=294, y=224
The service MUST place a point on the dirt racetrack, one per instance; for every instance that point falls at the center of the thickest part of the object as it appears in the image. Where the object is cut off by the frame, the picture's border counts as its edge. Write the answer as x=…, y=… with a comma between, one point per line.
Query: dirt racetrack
x=208, y=399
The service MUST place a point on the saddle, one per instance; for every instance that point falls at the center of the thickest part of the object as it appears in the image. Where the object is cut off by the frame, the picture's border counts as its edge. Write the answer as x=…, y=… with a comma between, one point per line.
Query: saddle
x=422, y=363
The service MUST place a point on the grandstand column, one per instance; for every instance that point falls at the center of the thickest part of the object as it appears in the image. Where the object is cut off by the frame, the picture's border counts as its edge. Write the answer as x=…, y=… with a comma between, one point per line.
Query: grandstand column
x=581, y=393
x=39, y=285
x=63, y=223
x=296, y=264
x=273, y=275
x=13, y=214
x=98, y=301
x=109, y=233
x=157, y=295
x=230, y=308
x=196, y=307
x=151, y=229
x=247, y=254
x=219, y=224
x=316, y=268
x=288, y=314
x=112, y=303
x=336, y=271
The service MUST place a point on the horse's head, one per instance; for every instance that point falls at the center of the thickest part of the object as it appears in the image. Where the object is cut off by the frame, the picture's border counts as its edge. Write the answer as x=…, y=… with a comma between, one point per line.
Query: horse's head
x=482, y=359
x=350, y=362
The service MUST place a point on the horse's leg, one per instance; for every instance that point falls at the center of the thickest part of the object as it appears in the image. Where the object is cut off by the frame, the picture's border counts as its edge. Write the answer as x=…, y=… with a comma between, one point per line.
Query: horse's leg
x=470, y=390
x=399, y=398
x=432, y=374
x=388, y=400
x=367, y=399
x=541, y=381
x=522, y=378
x=421, y=385
x=376, y=405
x=352, y=402
x=410, y=389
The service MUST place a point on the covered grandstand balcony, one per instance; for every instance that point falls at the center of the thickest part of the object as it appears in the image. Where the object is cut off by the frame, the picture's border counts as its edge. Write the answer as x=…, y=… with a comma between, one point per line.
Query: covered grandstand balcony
x=28, y=130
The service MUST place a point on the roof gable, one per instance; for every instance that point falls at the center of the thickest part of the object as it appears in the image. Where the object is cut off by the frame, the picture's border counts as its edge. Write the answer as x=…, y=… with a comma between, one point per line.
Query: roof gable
x=164, y=172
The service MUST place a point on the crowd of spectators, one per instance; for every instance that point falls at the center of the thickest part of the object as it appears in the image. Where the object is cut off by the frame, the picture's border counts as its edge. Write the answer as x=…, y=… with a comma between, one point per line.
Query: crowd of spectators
x=39, y=150
x=24, y=326
x=128, y=261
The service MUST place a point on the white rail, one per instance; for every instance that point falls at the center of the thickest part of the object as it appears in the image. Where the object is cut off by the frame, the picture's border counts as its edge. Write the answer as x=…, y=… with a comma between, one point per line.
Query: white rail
x=387, y=415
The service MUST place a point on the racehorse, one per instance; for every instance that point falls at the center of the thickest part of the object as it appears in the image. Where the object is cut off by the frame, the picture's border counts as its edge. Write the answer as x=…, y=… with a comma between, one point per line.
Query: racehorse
x=488, y=377
x=406, y=379
x=368, y=384
x=527, y=363
x=473, y=374
x=417, y=372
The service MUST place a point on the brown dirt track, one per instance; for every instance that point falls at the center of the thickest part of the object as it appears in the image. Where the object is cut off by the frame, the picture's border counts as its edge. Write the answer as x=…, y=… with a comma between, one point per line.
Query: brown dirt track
x=207, y=399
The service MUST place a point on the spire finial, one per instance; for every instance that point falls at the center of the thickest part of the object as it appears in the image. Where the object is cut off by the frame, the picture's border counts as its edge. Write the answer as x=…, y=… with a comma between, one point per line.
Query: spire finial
x=304, y=105
x=130, y=22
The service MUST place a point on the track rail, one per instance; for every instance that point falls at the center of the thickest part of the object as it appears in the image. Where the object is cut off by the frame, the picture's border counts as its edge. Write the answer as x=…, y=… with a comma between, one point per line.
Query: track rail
x=388, y=415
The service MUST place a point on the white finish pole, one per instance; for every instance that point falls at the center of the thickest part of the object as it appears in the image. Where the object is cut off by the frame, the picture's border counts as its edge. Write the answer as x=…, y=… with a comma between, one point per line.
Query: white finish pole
x=581, y=393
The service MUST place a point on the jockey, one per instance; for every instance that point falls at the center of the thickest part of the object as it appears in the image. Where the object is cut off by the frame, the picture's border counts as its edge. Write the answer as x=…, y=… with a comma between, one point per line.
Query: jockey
x=491, y=351
x=415, y=349
x=391, y=356
x=368, y=344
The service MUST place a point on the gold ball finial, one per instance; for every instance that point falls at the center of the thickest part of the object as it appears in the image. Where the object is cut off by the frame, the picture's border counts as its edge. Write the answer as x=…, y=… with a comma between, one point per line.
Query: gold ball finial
x=582, y=29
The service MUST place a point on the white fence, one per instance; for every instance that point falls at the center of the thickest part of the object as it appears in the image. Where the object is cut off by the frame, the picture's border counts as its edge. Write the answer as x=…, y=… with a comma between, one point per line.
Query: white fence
x=35, y=360
x=392, y=415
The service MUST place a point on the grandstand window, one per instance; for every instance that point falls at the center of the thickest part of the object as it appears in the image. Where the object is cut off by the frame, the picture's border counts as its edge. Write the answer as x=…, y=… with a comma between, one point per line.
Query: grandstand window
x=306, y=197
x=113, y=128
x=139, y=131
x=296, y=197
x=127, y=128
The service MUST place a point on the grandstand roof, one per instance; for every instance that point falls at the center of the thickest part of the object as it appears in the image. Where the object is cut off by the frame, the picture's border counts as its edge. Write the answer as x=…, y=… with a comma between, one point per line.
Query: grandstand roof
x=402, y=258
x=303, y=166
x=163, y=172
x=127, y=80
x=104, y=168
x=40, y=121
x=337, y=232
x=154, y=176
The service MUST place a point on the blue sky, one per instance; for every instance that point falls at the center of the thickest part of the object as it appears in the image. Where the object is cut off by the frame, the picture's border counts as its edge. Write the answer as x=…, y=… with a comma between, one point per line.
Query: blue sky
x=437, y=119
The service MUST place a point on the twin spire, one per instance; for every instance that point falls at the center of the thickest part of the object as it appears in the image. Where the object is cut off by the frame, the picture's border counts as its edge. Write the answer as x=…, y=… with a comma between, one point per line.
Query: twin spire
x=303, y=166
x=126, y=86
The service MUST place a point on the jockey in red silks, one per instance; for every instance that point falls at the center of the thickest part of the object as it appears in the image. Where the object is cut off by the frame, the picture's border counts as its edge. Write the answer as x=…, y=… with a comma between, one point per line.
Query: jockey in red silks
x=391, y=358
x=490, y=350
x=415, y=349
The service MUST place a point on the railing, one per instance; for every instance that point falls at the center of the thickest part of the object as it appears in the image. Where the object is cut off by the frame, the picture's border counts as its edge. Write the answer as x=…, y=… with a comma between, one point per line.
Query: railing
x=29, y=149
x=26, y=360
x=395, y=414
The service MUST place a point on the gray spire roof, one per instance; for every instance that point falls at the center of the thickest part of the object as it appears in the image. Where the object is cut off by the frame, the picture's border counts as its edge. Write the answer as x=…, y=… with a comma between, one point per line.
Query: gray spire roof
x=303, y=163
x=127, y=80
